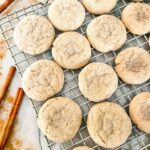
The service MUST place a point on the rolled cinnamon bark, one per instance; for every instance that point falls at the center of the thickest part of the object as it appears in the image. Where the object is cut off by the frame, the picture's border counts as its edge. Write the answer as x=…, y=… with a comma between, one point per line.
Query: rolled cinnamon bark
x=12, y=115
x=5, y=4
x=7, y=81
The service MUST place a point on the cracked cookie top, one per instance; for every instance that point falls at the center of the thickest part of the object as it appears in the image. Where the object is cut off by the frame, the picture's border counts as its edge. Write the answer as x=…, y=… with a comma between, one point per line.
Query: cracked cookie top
x=99, y=6
x=42, y=80
x=136, y=17
x=133, y=65
x=71, y=50
x=66, y=15
x=34, y=34
x=106, y=33
x=59, y=119
x=108, y=124
x=97, y=81
x=139, y=110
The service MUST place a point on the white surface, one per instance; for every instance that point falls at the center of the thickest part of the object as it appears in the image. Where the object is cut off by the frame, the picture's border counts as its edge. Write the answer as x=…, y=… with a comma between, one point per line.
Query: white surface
x=27, y=130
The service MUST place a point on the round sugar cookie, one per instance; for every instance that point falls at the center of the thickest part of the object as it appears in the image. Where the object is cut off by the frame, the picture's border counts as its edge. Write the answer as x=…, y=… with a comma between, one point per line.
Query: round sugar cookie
x=136, y=17
x=71, y=50
x=59, y=119
x=34, y=34
x=139, y=110
x=66, y=15
x=133, y=65
x=106, y=33
x=99, y=6
x=97, y=81
x=42, y=79
x=108, y=124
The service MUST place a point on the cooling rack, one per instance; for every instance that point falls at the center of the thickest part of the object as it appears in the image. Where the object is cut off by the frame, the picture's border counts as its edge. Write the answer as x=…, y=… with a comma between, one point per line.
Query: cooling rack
x=123, y=95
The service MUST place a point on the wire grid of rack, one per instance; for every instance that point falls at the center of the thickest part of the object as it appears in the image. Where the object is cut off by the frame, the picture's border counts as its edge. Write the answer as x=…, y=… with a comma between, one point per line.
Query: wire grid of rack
x=122, y=96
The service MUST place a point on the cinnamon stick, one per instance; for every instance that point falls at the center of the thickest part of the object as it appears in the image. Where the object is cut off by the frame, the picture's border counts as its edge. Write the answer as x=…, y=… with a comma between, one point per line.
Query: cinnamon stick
x=5, y=4
x=12, y=115
x=7, y=81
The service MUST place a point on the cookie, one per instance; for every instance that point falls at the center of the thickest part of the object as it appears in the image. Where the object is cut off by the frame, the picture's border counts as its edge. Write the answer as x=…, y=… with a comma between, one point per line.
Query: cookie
x=59, y=119
x=82, y=148
x=71, y=50
x=99, y=6
x=136, y=18
x=66, y=15
x=34, y=34
x=42, y=80
x=139, y=110
x=133, y=65
x=106, y=33
x=97, y=81
x=108, y=124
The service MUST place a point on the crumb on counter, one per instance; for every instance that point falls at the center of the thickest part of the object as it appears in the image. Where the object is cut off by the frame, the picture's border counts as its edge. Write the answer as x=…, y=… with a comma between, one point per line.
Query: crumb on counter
x=14, y=142
x=3, y=48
